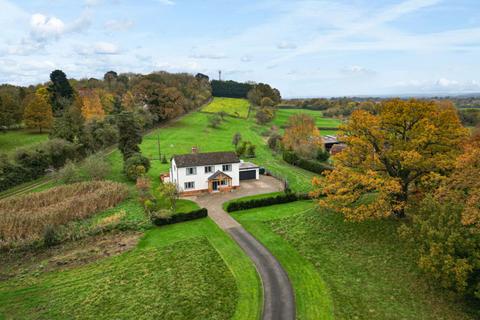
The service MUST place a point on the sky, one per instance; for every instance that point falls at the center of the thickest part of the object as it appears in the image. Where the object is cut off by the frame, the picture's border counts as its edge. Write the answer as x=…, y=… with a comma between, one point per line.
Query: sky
x=304, y=48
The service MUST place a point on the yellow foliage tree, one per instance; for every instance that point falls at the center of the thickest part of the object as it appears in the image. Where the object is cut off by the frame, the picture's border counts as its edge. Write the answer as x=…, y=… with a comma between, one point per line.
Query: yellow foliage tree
x=92, y=108
x=302, y=135
x=388, y=152
x=38, y=113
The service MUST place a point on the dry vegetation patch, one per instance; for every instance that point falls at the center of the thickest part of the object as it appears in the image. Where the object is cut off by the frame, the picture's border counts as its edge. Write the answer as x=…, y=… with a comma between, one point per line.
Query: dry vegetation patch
x=25, y=218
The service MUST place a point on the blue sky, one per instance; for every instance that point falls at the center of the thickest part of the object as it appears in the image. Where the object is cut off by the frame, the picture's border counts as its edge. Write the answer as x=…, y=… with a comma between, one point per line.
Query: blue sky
x=304, y=48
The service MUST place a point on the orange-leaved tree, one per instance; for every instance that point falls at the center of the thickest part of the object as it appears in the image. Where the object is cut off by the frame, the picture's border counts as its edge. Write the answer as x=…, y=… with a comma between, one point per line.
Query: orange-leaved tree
x=38, y=113
x=390, y=151
x=302, y=136
x=92, y=108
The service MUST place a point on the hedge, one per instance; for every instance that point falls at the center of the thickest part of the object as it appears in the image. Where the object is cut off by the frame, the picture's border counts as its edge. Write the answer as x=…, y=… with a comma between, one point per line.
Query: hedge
x=181, y=217
x=310, y=165
x=264, y=202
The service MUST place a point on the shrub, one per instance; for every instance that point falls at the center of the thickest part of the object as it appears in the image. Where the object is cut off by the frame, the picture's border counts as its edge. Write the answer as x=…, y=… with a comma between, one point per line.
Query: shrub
x=70, y=173
x=323, y=155
x=263, y=202
x=50, y=237
x=26, y=218
x=310, y=165
x=275, y=141
x=59, y=152
x=35, y=162
x=180, y=217
x=214, y=121
x=164, y=159
x=96, y=167
x=136, y=166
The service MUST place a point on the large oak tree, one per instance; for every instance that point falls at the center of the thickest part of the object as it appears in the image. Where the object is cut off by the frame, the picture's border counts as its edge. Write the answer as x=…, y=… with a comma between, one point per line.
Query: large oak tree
x=390, y=151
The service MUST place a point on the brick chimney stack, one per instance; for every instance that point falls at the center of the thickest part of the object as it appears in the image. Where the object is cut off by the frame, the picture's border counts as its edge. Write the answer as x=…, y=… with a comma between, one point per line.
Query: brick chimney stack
x=194, y=150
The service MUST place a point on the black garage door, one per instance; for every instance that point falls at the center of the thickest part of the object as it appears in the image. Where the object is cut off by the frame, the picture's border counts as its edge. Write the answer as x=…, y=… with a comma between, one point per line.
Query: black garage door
x=248, y=174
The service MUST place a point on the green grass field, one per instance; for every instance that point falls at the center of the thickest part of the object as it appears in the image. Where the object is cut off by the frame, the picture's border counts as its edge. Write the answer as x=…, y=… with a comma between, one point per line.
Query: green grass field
x=231, y=106
x=13, y=139
x=191, y=270
x=365, y=268
x=282, y=115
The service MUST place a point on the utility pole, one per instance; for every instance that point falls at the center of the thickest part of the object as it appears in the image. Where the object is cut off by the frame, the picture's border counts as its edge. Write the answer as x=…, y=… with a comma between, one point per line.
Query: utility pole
x=219, y=75
x=158, y=144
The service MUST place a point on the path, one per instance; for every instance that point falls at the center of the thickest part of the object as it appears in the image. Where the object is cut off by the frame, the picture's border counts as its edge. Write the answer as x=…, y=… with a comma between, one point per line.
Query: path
x=278, y=296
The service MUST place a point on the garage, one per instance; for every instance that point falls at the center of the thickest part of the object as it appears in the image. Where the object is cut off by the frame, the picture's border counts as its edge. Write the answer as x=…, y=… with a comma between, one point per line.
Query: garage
x=248, y=174
x=249, y=171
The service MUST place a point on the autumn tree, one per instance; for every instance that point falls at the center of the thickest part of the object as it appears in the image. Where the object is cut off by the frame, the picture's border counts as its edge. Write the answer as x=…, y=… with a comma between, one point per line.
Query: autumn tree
x=9, y=114
x=389, y=154
x=38, y=113
x=302, y=136
x=92, y=108
x=264, y=115
x=71, y=125
x=446, y=227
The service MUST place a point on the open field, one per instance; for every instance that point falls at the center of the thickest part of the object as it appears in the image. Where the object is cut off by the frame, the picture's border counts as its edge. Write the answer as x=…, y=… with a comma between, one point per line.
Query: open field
x=171, y=280
x=282, y=115
x=232, y=106
x=13, y=139
x=360, y=264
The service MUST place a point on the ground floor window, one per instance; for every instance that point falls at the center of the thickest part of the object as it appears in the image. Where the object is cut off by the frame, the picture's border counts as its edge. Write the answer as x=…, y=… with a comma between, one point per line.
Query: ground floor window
x=189, y=185
x=223, y=182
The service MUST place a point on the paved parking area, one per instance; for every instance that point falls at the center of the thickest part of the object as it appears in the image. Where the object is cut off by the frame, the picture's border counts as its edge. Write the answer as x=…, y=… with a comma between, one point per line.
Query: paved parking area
x=213, y=201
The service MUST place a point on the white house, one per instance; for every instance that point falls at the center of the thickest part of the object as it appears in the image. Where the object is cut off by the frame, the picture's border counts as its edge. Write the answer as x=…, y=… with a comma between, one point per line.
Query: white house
x=209, y=172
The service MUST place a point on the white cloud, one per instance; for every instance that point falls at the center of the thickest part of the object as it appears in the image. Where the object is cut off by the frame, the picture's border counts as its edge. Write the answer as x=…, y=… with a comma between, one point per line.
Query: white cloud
x=357, y=70
x=43, y=27
x=439, y=86
x=167, y=2
x=286, y=45
x=119, y=25
x=213, y=56
x=105, y=48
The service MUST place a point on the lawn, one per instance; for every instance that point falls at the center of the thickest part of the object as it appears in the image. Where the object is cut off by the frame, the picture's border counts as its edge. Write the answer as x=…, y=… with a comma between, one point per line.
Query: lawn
x=282, y=115
x=13, y=139
x=165, y=277
x=232, y=106
x=367, y=271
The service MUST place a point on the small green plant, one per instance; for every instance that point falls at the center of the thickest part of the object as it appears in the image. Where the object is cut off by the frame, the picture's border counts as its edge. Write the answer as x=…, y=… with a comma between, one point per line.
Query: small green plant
x=50, y=236
x=70, y=173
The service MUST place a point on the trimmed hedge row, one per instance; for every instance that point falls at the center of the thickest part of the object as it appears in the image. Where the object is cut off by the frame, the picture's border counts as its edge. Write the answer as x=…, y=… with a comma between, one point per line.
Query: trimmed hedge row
x=310, y=165
x=181, y=217
x=264, y=202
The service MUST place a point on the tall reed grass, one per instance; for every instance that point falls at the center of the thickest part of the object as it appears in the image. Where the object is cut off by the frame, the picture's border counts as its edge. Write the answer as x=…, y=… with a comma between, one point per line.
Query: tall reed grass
x=25, y=218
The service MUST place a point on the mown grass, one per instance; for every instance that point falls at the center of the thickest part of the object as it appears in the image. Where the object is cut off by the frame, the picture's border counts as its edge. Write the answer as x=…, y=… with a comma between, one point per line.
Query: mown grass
x=166, y=282
x=282, y=116
x=13, y=139
x=312, y=297
x=368, y=271
x=232, y=106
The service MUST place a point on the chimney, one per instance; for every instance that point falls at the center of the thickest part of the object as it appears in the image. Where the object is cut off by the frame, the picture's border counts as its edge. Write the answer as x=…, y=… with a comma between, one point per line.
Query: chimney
x=194, y=150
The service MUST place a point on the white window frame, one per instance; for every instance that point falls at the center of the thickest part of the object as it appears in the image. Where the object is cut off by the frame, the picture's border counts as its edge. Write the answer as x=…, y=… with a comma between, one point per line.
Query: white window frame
x=188, y=183
x=194, y=171
x=210, y=169
x=228, y=166
x=224, y=183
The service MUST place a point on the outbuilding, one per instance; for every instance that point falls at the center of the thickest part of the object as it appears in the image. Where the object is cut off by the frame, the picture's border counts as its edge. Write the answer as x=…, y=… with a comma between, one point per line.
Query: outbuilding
x=249, y=171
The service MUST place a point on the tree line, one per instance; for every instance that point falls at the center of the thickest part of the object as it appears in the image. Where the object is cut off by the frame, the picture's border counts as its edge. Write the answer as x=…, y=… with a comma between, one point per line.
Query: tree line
x=87, y=115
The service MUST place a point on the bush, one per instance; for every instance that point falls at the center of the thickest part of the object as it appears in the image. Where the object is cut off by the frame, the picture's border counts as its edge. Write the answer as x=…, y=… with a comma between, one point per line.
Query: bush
x=59, y=151
x=70, y=173
x=214, y=121
x=96, y=167
x=35, y=162
x=180, y=217
x=136, y=166
x=310, y=165
x=323, y=155
x=264, y=202
x=275, y=141
x=50, y=237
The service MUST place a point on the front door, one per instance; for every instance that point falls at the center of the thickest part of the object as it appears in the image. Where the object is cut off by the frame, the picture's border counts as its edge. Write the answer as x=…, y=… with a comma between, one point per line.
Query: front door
x=215, y=185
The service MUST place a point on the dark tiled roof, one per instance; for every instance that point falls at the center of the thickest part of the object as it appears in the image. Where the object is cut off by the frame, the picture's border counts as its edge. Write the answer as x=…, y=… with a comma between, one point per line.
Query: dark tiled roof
x=218, y=174
x=205, y=159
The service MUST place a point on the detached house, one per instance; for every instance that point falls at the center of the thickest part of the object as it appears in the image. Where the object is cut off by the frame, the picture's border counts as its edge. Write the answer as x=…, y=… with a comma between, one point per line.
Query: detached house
x=209, y=172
